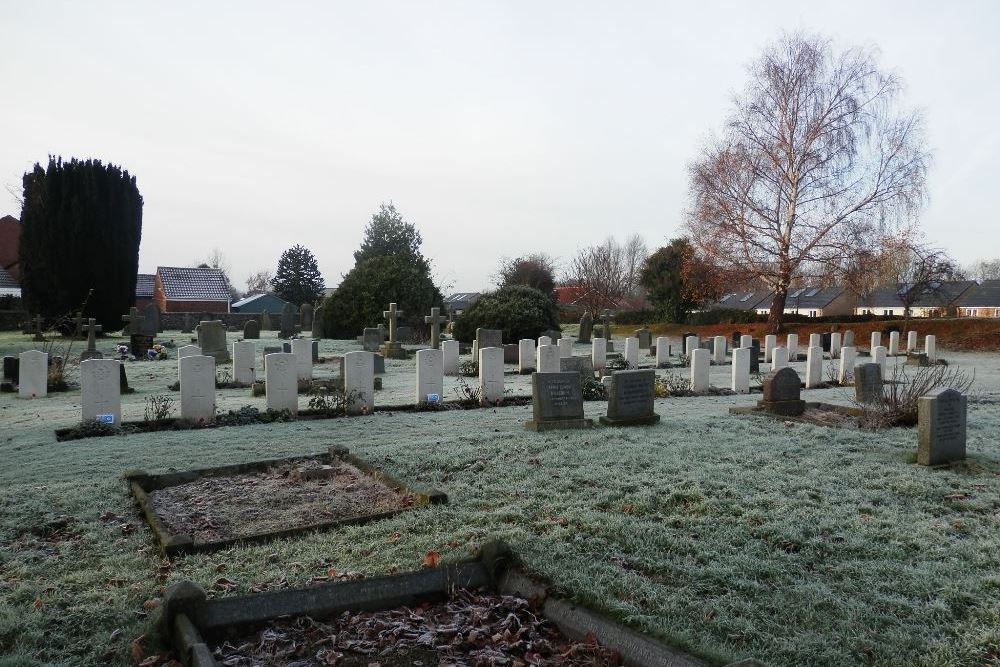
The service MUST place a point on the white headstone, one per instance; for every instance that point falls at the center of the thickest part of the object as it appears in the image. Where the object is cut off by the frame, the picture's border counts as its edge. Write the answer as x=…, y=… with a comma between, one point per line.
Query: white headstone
x=100, y=391
x=879, y=357
x=188, y=351
x=526, y=355
x=599, y=353
x=846, y=371
x=746, y=340
x=198, y=387
x=302, y=349
x=930, y=347
x=544, y=340
x=779, y=358
x=792, y=343
x=815, y=340
x=359, y=382
x=835, y=345
x=34, y=374
x=632, y=352
x=281, y=386
x=244, y=362
x=699, y=370
x=565, y=347
x=662, y=351
x=449, y=350
x=491, y=372
x=690, y=343
x=876, y=340
x=814, y=367
x=770, y=342
x=893, y=343
x=741, y=370
x=719, y=350
x=430, y=376
x=911, y=341
x=548, y=359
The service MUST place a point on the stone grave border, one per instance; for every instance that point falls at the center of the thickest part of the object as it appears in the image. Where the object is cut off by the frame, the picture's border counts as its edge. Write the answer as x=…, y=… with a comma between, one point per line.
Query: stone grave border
x=757, y=410
x=142, y=484
x=187, y=617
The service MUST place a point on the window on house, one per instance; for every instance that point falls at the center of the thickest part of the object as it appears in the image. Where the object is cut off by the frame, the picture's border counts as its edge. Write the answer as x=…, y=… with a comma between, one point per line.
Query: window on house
x=813, y=313
x=747, y=297
x=796, y=293
x=887, y=311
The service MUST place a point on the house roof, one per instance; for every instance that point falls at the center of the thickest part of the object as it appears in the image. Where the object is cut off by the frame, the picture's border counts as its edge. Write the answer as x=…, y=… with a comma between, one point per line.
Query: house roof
x=806, y=297
x=935, y=295
x=461, y=299
x=193, y=284
x=984, y=295
x=741, y=300
x=144, y=283
x=6, y=281
x=255, y=297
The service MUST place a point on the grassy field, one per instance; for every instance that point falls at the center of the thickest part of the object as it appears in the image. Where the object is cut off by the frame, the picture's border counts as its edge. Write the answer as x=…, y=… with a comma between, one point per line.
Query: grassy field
x=727, y=536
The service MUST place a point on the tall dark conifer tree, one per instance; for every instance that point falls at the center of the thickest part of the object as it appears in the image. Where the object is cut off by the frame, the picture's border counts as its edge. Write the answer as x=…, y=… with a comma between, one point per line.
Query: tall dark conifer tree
x=81, y=224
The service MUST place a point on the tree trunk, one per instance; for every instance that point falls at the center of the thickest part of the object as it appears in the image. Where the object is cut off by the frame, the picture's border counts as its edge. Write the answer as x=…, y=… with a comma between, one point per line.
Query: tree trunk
x=777, y=314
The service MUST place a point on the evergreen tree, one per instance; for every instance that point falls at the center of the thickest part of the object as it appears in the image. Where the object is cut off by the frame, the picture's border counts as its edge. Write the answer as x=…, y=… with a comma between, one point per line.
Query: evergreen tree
x=298, y=279
x=677, y=281
x=388, y=234
x=81, y=224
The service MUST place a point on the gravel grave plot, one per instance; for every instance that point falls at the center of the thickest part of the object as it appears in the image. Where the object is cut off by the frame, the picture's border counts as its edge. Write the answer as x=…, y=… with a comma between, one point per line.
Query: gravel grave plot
x=293, y=494
x=471, y=629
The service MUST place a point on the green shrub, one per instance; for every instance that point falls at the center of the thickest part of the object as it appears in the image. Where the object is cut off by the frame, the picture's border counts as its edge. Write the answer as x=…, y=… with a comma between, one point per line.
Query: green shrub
x=520, y=312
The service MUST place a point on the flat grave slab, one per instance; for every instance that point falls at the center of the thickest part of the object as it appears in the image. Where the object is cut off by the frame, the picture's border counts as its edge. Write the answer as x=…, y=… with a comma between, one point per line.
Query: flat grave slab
x=214, y=508
x=821, y=414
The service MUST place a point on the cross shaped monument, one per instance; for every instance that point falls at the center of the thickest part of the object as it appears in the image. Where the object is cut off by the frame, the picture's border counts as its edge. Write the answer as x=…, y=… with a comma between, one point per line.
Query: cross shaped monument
x=608, y=316
x=38, y=328
x=393, y=349
x=435, y=319
x=92, y=329
x=134, y=320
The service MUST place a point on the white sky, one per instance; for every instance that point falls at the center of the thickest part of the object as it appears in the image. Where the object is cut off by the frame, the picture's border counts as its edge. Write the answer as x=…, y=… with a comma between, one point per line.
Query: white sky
x=499, y=128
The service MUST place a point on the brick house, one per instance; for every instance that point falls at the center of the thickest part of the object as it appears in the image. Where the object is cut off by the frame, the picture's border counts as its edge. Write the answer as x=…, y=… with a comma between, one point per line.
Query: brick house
x=813, y=302
x=982, y=300
x=145, y=286
x=191, y=290
x=936, y=299
x=10, y=244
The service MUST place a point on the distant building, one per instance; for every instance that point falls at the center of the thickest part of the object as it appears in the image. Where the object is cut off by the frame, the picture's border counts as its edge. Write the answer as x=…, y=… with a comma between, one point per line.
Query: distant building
x=982, y=300
x=145, y=286
x=747, y=299
x=9, y=286
x=458, y=303
x=813, y=302
x=191, y=290
x=10, y=245
x=936, y=299
x=258, y=303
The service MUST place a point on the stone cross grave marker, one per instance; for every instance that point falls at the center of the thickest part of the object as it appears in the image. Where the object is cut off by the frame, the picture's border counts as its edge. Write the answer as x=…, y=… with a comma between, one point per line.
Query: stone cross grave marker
x=78, y=322
x=92, y=329
x=435, y=319
x=133, y=320
x=393, y=348
x=783, y=393
x=33, y=380
x=867, y=382
x=557, y=402
x=100, y=391
x=281, y=386
x=942, y=418
x=197, y=388
x=608, y=315
x=630, y=401
x=430, y=376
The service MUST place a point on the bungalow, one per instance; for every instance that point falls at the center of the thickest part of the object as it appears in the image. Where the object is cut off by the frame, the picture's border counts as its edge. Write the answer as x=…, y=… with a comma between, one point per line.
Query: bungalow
x=191, y=290
x=145, y=285
x=935, y=299
x=458, y=303
x=813, y=302
x=9, y=286
x=982, y=300
x=258, y=303
x=741, y=300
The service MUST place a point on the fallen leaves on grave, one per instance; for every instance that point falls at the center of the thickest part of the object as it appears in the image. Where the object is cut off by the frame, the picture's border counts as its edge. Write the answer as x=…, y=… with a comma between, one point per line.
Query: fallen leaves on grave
x=469, y=629
x=431, y=558
x=224, y=584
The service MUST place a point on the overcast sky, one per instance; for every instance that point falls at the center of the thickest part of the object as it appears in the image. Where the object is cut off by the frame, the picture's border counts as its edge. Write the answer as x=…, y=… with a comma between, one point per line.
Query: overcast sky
x=499, y=128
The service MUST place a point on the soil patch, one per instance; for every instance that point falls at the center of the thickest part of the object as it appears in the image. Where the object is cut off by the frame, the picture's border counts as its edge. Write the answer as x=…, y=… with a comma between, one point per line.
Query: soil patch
x=217, y=508
x=821, y=414
x=471, y=628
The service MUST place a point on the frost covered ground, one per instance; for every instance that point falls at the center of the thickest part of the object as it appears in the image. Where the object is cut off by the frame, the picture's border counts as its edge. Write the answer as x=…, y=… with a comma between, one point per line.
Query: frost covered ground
x=727, y=536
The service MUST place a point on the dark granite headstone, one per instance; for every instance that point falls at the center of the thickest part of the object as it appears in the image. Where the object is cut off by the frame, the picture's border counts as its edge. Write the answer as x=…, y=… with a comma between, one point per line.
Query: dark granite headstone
x=186, y=325
x=286, y=347
x=139, y=344
x=315, y=351
x=645, y=338
x=379, y=364
x=586, y=328
x=123, y=380
x=318, y=327
x=941, y=427
x=557, y=402
x=371, y=339
x=755, y=357
x=825, y=341
x=404, y=333
x=554, y=334
x=868, y=382
x=251, y=330
x=917, y=359
x=782, y=393
x=488, y=338
x=737, y=339
x=582, y=365
x=287, y=327
x=11, y=369
x=151, y=320
x=630, y=401
x=511, y=354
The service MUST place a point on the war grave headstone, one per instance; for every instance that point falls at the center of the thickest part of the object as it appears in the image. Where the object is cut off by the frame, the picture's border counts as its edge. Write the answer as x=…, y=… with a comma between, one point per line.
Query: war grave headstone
x=302, y=349
x=545, y=340
x=450, y=349
x=719, y=350
x=815, y=340
x=92, y=329
x=599, y=353
x=792, y=344
x=251, y=330
x=867, y=382
x=553, y=334
x=430, y=376
x=33, y=374
x=690, y=343
x=151, y=320
x=586, y=328
x=318, y=327
x=197, y=377
x=187, y=324
x=783, y=393
x=662, y=352
x=630, y=400
x=286, y=328
x=849, y=338
x=746, y=341
x=930, y=348
x=835, y=344
x=632, y=352
x=557, y=402
x=525, y=356
x=770, y=342
x=942, y=420
x=435, y=319
x=359, y=382
x=779, y=358
x=244, y=362
x=847, y=357
x=911, y=341
x=212, y=340
x=565, y=345
x=371, y=339
x=876, y=340
x=100, y=392
x=879, y=357
x=393, y=348
x=740, y=382
x=491, y=374
x=645, y=338
x=281, y=387
x=699, y=370
x=814, y=367
x=549, y=361
x=893, y=343
x=306, y=316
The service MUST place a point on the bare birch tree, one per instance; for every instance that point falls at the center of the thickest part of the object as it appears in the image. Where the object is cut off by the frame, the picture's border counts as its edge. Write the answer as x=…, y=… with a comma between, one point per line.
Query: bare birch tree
x=816, y=161
x=607, y=273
